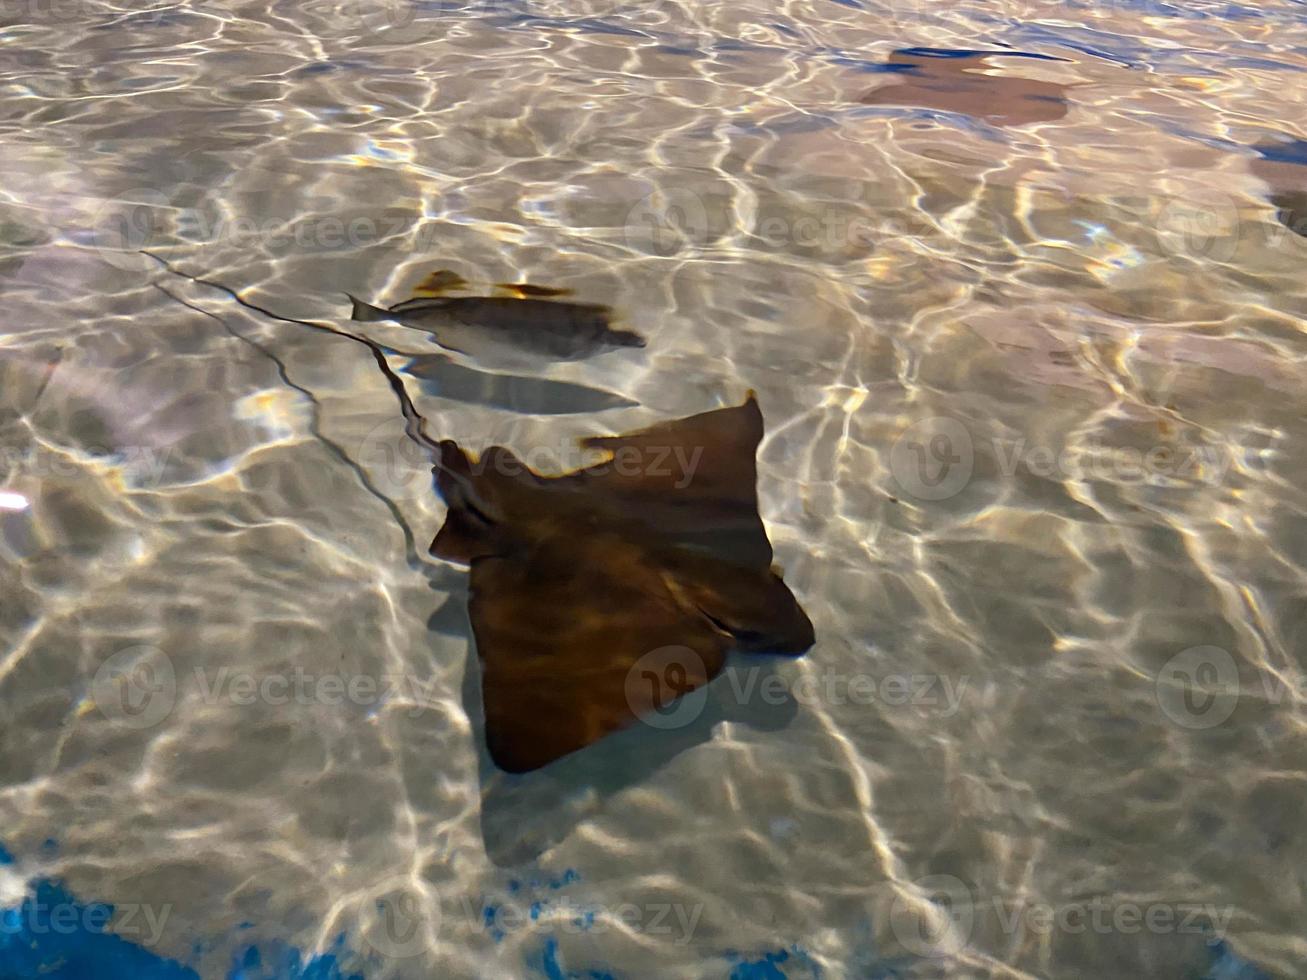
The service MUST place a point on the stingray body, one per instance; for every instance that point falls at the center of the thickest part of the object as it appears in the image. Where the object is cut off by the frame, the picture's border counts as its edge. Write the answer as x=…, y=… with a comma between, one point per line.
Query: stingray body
x=964, y=81
x=526, y=321
x=1283, y=165
x=600, y=596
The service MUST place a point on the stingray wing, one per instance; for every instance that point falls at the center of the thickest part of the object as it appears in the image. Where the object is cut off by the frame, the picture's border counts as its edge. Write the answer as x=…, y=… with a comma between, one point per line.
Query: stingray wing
x=601, y=596
x=693, y=480
x=580, y=636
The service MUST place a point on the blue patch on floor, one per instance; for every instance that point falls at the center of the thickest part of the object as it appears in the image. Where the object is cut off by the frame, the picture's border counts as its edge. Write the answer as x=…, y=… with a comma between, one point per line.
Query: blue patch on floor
x=1228, y=965
x=287, y=963
x=52, y=936
x=784, y=964
x=550, y=966
x=1291, y=151
x=767, y=968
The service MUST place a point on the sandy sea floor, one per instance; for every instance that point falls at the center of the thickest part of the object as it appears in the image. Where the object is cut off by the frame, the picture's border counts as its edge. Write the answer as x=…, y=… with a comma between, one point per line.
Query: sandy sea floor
x=1034, y=413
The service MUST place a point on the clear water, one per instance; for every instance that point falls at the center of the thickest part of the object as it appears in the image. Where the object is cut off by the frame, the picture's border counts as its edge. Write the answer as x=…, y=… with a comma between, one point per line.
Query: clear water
x=1034, y=406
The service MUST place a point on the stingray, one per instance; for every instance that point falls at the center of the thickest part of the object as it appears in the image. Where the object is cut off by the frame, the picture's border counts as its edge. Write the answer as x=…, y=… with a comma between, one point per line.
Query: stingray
x=601, y=596
x=949, y=80
x=522, y=319
x=1283, y=165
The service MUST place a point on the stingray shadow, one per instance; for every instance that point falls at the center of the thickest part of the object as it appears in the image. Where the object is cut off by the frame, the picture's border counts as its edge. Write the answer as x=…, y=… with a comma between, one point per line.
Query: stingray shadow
x=966, y=82
x=524, y=815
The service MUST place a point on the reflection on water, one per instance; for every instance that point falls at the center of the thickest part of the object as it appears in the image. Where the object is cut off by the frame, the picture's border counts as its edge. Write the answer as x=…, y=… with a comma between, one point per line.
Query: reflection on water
x=1027, y=326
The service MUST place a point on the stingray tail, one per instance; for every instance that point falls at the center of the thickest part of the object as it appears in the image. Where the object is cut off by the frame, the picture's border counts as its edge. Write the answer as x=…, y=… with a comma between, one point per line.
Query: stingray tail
x=366, y=312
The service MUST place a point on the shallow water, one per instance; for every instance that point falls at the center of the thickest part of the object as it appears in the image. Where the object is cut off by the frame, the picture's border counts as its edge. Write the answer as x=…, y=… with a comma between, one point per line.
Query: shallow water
x=1033, y=401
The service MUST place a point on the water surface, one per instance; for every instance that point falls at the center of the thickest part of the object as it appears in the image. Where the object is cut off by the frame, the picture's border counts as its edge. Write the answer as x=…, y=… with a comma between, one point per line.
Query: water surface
x=1029, y=351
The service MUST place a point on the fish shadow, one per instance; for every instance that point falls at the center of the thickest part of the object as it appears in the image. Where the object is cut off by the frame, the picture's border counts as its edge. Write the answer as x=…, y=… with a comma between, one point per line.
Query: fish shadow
x=441, y=377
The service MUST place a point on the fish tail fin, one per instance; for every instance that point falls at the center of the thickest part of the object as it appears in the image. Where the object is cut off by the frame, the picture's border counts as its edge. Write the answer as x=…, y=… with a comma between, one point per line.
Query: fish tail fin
x=366, y=312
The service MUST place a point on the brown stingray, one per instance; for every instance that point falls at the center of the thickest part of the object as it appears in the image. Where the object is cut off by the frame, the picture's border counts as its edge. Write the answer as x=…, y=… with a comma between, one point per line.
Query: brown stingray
x=950, y=81
x=1284, y=168
x=600, y=596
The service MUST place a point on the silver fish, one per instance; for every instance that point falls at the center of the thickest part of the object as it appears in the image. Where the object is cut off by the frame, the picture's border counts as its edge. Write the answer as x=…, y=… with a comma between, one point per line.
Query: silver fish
x=493, y=325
